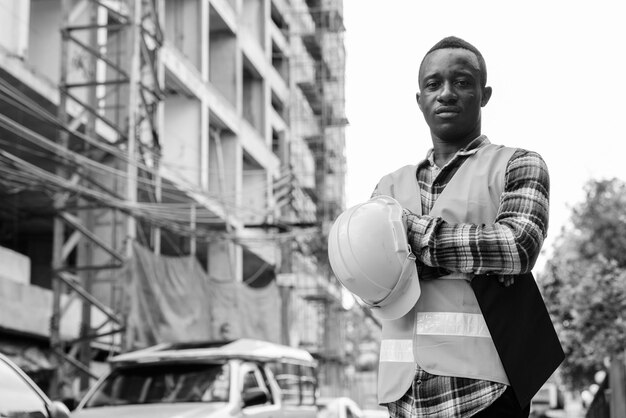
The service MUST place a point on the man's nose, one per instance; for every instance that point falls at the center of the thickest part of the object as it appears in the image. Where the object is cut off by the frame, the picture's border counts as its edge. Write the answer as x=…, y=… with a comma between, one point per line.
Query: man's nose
x=447, y=93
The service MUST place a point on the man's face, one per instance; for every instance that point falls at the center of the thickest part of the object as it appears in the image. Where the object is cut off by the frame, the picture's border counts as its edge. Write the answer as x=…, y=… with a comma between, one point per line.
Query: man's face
x=451, y=94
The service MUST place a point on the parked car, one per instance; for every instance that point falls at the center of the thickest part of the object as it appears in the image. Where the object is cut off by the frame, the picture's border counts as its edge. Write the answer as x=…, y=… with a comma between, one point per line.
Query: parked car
x=210, y=380
x=339, y=407
x=21, y=397
x=547, y=400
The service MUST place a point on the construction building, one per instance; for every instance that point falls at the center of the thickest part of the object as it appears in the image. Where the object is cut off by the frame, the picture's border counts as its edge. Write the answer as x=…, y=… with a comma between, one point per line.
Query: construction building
x=168, y=172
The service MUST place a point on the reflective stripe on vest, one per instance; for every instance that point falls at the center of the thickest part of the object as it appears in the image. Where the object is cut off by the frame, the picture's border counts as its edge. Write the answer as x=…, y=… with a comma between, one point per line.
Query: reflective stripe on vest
x=446, y=333
x=434, y=323
x=451, y=323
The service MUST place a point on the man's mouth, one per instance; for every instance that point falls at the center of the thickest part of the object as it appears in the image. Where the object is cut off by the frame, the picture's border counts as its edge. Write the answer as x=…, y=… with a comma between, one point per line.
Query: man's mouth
x=447, y=109
x=447, y=112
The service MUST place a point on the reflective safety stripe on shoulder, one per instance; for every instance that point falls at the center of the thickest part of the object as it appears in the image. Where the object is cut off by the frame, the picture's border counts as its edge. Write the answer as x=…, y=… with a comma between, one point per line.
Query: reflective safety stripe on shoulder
x=452, y=323
x=396, y=351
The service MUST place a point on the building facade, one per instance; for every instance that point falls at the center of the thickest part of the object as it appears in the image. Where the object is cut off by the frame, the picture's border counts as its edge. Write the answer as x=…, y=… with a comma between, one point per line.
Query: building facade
x=203, y=130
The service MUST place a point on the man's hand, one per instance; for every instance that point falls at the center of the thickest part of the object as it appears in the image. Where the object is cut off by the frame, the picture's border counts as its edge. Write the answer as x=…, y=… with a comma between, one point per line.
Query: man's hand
x=506, y=281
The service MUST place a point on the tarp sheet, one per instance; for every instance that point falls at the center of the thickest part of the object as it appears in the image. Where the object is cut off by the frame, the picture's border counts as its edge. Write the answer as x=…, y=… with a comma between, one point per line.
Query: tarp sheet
x=172, y=299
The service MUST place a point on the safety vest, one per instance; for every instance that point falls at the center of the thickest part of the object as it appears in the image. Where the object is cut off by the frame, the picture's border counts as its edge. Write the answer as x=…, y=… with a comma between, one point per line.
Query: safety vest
x=445, y=333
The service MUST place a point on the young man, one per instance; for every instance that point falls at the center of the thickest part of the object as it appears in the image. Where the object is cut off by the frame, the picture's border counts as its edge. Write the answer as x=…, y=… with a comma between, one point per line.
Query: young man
x=479, y=342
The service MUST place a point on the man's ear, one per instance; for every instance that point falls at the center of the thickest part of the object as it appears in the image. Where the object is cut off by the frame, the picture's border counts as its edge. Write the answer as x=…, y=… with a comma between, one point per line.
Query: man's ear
x=486, y=96
x=417, y=98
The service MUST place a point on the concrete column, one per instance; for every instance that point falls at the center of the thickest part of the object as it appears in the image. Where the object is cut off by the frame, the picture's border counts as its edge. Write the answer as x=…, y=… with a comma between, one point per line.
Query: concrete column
x=267, y=46
x=205, y=57
x=239, y=78
x=253, y=18
x=205, y=30
x=205, y=141
x=617, y=384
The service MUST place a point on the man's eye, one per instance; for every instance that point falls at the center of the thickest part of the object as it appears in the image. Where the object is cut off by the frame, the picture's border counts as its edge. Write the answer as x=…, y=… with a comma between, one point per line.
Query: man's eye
x=432, y=85
x=463, y=83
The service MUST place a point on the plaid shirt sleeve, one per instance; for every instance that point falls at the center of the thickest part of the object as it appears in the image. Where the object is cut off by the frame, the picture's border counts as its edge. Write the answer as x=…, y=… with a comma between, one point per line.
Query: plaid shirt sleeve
x=511, y=245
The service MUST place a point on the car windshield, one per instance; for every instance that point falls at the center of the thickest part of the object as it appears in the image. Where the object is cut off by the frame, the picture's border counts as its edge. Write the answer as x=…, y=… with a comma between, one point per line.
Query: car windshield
x=163, y=383
x=17, y=397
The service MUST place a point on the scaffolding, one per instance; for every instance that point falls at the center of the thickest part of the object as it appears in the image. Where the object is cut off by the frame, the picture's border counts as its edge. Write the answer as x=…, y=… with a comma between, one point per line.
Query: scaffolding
x=94, y=165
x=318, y=120
x=111, y=82
x=320, y=70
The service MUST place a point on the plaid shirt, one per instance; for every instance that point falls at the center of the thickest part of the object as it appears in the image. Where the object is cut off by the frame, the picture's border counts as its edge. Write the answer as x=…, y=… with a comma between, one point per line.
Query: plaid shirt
x=445, y=397
x=510, y=246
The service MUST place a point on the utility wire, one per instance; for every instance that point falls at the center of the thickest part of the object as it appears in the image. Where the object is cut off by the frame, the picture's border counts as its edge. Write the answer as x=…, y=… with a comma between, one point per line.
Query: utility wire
x=34, y=109
x=21, y=174
x=79, y=160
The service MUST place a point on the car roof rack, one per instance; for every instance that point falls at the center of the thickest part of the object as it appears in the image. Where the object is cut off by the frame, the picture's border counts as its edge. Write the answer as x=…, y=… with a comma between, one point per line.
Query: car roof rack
x=246, y=349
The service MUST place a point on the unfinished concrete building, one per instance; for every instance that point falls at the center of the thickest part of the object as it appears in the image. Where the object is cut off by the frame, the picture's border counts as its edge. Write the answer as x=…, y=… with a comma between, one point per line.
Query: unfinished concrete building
x=207, y=131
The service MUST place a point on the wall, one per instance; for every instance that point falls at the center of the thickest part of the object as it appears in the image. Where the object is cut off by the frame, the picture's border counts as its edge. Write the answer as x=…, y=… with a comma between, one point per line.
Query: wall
x=14, y=26
x=182, y=27
x=223, y=64
x=232, y=156
x=253, y=98
x=181, y=139
x=15, y=296
x=253, y=19
x=254, y=193
x=15, y=266
x=44, y=44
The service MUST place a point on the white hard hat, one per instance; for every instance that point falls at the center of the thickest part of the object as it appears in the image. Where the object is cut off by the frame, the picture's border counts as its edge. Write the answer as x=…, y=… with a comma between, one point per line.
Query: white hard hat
x=370, y=255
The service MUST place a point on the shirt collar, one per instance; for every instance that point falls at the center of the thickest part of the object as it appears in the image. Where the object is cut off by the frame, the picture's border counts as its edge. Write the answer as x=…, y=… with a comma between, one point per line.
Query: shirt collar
x=470, y=149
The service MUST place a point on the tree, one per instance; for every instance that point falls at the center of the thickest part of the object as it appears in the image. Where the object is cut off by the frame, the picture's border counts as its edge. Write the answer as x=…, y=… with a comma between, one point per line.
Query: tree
x=601, y=220
x=584, y=282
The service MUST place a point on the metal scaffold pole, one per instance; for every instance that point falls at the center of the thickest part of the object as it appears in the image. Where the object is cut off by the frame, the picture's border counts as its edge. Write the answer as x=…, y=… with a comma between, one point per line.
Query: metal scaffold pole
x=58, y=288
x=85, y=250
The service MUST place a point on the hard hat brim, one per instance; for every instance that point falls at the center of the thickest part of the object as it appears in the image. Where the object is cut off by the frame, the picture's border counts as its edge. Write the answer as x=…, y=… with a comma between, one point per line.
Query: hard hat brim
x=404, y=296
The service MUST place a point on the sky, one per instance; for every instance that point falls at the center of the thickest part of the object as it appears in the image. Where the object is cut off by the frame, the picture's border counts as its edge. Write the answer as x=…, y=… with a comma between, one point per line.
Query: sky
x=557, y=69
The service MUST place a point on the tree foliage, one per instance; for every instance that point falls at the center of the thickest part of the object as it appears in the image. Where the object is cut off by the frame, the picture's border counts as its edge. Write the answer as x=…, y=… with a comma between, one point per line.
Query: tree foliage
x=584, y=282
x=601, y=220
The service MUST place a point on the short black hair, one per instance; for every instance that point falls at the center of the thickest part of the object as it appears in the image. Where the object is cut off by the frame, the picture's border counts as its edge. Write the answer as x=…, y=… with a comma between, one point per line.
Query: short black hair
x=454, y=42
